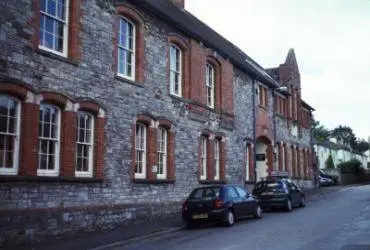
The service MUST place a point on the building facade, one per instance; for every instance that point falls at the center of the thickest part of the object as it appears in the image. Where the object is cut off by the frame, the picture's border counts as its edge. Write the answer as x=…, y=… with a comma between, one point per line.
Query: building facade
x=113, y=111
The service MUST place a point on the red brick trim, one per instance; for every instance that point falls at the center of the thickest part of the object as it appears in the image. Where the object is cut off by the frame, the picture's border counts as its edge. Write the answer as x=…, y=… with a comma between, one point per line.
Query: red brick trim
x=280, y=159
x=131, y=14
x=206, y=132
x=151, y=153
x=68, y=143
x=171, y=156
x=183, y=44
x=74, y=26
x=55, y=98
x=14, y=89
x=145, y=119
x=165, y=123
x=89, y=106
x=299, y=165
x=293, y=161
x=99, y=146
x=286, y=159
x=219, y=135
x=29, y=139
x=218, y=80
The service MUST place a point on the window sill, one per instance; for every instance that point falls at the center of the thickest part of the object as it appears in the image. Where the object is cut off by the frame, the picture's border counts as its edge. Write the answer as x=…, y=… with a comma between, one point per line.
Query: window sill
x=9, y=178
x=178, y=98
x=55, y=56
x=212, y=182
x=157, y=181
x=137, y=84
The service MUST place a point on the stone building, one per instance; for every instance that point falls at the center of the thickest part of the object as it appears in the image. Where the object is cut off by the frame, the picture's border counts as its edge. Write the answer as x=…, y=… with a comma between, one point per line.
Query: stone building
x=112, y=111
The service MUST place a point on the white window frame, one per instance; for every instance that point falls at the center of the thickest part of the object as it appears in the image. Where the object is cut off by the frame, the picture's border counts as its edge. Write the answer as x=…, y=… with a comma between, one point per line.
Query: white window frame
x=162, y=152
x=210, y=85
x=65, y=31
x=217, y=146
x=133, y=51
x=247, y=163
x=143, y=150
x=283, y=157
x=16, y=140
x=203, y=158
x=176, y=71
x=55, y=171
x=90, y=144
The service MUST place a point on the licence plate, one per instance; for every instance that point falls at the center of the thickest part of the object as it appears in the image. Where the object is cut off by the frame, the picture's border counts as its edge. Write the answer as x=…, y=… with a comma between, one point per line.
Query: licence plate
x=200, y=216
x=267, y=193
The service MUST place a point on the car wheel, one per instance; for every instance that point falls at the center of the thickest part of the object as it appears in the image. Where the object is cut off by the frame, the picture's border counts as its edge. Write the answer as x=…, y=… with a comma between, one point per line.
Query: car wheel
x=258, y=212
x=230, y=218
x=303, y=202
x=288, y=205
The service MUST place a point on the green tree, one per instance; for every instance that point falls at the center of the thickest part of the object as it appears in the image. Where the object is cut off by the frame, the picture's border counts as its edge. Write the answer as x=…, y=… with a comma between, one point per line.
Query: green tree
x=345, y=135
x=319, y=132
x=329, y=162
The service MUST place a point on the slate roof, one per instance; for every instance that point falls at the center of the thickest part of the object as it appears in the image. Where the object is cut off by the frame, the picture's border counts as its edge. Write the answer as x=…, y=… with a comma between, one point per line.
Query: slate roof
x=195, y=28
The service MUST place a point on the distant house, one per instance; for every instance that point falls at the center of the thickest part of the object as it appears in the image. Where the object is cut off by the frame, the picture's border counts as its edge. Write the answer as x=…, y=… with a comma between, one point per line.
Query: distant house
x=339, y=152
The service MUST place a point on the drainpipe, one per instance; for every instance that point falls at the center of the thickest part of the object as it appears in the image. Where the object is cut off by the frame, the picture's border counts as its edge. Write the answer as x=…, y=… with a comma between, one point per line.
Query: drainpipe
x=254, y=130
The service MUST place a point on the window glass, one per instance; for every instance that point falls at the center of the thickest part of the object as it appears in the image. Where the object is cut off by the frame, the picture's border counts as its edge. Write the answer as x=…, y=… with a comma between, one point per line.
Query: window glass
x=242, y=192
x=232, y=193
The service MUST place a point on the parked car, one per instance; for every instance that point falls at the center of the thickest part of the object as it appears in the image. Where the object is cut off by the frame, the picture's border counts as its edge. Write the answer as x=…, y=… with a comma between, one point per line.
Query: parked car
x=221, y=203
x=281, y=193
x=326, y=179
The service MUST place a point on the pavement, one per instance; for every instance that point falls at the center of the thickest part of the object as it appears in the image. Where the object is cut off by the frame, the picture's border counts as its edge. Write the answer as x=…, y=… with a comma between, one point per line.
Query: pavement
x=130, y=234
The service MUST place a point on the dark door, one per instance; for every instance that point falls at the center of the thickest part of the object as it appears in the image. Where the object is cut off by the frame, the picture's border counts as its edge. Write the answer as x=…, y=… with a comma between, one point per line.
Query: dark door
x=249, y=203
x=237, y=201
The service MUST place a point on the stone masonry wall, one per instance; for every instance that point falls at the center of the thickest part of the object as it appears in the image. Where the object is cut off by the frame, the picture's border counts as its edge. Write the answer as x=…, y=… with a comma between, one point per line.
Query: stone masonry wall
x=94, y=78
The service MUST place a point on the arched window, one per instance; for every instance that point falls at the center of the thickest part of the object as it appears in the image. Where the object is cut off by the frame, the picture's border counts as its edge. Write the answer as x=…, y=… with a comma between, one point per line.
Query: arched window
x=210, y=85
x=203, y=158
x=175, y=70
x=49, y=140
x=140, y=150
x=162, y=136
x=84, y=144
x=126, y=49
x=217, y=158
x=9, y=134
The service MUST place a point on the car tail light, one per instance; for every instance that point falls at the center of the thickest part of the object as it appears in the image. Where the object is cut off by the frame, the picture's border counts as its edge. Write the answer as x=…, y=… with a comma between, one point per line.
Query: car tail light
x=218, y=203
x=185, y=206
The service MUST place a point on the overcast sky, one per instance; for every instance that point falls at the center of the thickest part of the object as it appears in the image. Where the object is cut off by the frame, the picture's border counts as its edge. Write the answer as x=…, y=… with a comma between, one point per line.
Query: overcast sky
x=331, y=40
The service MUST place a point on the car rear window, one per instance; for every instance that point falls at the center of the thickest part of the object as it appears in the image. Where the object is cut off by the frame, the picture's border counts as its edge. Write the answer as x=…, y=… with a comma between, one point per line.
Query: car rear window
x=270, y=185
x=203, y=193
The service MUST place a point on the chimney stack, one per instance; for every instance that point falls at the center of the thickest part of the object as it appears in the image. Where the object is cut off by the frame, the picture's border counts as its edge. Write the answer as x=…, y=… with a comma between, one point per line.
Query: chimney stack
x=179, y=3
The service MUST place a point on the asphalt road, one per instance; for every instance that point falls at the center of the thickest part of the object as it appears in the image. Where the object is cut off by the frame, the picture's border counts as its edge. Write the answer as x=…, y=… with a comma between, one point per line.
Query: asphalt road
x=340, y=220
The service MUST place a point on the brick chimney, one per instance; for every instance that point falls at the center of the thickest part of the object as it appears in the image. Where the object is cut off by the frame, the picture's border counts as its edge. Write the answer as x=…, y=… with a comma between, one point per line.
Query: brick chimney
x=179, y=3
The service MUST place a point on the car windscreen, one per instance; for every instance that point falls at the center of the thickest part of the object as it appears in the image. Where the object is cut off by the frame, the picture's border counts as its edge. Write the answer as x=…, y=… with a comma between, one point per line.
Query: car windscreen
x=270, y=186
x=205, y=193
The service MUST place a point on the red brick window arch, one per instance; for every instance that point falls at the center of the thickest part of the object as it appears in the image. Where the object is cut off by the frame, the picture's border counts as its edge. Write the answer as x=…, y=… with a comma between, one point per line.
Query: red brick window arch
x=129, y=47
x=178, y=68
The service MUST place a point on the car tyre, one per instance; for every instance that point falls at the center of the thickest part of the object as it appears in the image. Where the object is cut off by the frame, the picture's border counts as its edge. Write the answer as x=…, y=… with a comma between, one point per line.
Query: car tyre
x=230, y=218
x=288, y=205
x=303, y=202
x=258, y=212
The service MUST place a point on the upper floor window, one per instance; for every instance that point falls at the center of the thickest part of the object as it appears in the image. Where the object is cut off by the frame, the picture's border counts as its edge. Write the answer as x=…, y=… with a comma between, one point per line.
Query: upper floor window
x=162, y=153
x=126, y=49
x=262, y=96
x=210, y=85
x=85, y=139
x=175, y=70
x=203, y=158
x=9, y=134
x=217, y=159
x=140, y=150
x=49, y=140
x=53, y=33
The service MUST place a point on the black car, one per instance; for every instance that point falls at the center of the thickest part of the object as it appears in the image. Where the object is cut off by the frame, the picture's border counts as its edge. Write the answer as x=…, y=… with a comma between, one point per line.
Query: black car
x=223, y=203
x=279, y=194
